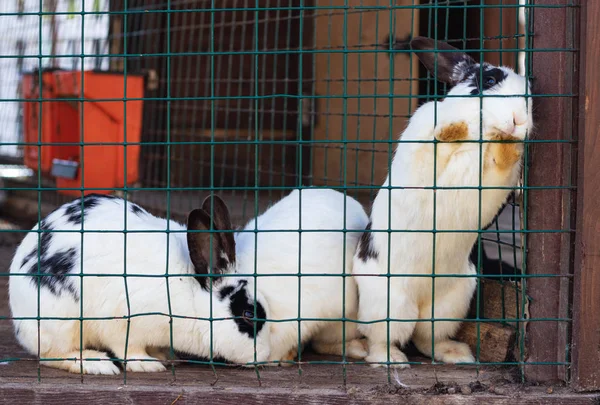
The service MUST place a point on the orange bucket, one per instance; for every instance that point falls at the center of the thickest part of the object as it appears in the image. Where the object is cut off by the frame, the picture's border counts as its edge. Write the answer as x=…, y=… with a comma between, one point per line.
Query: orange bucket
x=101, y=160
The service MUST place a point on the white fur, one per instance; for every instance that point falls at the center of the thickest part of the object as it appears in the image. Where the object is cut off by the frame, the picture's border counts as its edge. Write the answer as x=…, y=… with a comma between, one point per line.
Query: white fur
x=327, y=253
x=106, y=297
x=411, y=208
x=145, y=254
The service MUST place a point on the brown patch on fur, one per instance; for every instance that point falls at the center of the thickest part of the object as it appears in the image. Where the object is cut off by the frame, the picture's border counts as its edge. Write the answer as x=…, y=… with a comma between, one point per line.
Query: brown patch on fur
x=458, y=131
x=291, y=355
x=288, y=357
x=504, y=155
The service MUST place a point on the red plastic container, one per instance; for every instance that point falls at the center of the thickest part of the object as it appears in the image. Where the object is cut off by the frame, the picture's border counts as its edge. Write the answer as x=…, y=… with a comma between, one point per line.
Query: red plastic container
x=54, y=129
x=102, y=126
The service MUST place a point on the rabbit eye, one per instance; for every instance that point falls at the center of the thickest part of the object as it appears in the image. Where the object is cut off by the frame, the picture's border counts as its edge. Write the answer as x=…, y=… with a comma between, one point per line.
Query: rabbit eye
x=248, y=314
x=490, y=81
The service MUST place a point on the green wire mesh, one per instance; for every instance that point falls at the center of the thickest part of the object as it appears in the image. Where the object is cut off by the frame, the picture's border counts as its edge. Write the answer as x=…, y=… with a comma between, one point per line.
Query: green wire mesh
x=251, y=99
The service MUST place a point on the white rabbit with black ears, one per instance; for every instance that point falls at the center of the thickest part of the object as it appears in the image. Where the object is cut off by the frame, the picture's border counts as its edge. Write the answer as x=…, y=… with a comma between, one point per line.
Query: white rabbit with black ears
x=241, y=332
x=104, y=253
x=403, y=210
x=314, y=233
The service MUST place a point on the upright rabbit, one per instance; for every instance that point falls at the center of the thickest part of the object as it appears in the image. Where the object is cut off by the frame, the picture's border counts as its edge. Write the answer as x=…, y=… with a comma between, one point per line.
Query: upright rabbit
x=322, y=253
x=157, y=284
x=407, y=209
x=45, y=282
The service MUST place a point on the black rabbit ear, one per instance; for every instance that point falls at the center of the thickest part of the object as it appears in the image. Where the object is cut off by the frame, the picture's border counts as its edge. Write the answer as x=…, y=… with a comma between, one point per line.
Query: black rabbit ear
x=452, y=63
x=207, y=250
x=220, y=212
x=222, y=220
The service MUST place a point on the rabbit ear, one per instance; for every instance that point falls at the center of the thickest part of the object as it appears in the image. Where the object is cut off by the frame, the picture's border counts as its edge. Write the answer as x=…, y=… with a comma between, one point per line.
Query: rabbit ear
x=220, y=213
x=222, y=221
x=452, y=63
x=206, y=248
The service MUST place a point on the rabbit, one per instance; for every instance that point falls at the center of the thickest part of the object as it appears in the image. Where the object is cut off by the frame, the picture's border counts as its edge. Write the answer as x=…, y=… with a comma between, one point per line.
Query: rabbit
x=409, y=206
x=107, y=297
x=191, y=294
x=286, y=251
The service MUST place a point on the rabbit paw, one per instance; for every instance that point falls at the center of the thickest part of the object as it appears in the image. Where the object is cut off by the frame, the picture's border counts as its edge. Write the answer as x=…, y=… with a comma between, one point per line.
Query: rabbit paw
x=378, y=357
x=453, y=352
x=358, y=348
x=93, y=362
x=148, y=365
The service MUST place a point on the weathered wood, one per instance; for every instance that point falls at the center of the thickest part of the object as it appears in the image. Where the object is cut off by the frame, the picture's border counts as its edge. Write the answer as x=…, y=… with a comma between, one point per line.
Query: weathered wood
x=43, y=394
x=500, y=27
x=586, y=297
x=264, y=164
x=549, y=210
x=495, y=341
x=350, y=79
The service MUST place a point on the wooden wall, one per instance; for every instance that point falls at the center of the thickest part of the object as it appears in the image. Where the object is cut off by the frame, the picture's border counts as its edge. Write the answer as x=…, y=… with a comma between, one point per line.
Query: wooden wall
x=360, y=116
x=352, y=90
x=205, y=98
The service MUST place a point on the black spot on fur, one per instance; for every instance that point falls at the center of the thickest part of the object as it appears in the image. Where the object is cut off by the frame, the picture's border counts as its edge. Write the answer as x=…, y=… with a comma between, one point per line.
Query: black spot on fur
x=136, y=209
x=194, y=358
x=397, y=44
x=241, y=303
x=366, y=250
x=225, y=291
x=53, y=271
x=45, y=238
x=77, y=209
x=30, y=256
x=479, y=82
x=220, y=264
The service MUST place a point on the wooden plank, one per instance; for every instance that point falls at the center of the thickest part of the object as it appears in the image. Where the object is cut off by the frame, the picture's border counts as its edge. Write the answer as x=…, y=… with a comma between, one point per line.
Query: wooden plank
x=360, y=76
x=43, y=394
x=243, y=75
x=549, y=209
x=586, y=298
x=242, y=165
x=500, y=27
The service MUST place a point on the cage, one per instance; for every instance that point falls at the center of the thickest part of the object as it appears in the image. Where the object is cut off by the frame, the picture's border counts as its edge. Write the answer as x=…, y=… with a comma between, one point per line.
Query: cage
x=251, y=100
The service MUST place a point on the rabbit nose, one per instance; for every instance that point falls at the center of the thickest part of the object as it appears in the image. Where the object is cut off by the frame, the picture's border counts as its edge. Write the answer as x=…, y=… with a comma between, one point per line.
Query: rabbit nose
x=518, y=121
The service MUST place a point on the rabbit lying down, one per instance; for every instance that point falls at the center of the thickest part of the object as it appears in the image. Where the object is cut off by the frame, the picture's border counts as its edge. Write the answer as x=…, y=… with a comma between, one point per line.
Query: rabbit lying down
x=163, y=290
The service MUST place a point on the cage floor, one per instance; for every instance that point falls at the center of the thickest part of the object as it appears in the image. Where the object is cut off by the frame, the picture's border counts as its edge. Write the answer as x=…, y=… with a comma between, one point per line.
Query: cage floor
x=24, y=381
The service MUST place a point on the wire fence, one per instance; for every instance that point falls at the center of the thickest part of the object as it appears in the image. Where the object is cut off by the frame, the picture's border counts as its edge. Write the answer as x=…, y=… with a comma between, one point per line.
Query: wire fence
x=164, y=102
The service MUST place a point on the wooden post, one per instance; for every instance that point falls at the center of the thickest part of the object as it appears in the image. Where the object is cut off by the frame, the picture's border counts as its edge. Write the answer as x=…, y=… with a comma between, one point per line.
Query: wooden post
x=549, y=209
x=501, y=27
x=586, y=284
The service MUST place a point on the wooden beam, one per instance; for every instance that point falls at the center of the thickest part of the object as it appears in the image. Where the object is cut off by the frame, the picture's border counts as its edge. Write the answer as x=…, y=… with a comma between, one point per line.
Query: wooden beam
x=361, y=73
x=47, y=394
x=501, y=27
x=549, y=207
x=586, y=285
